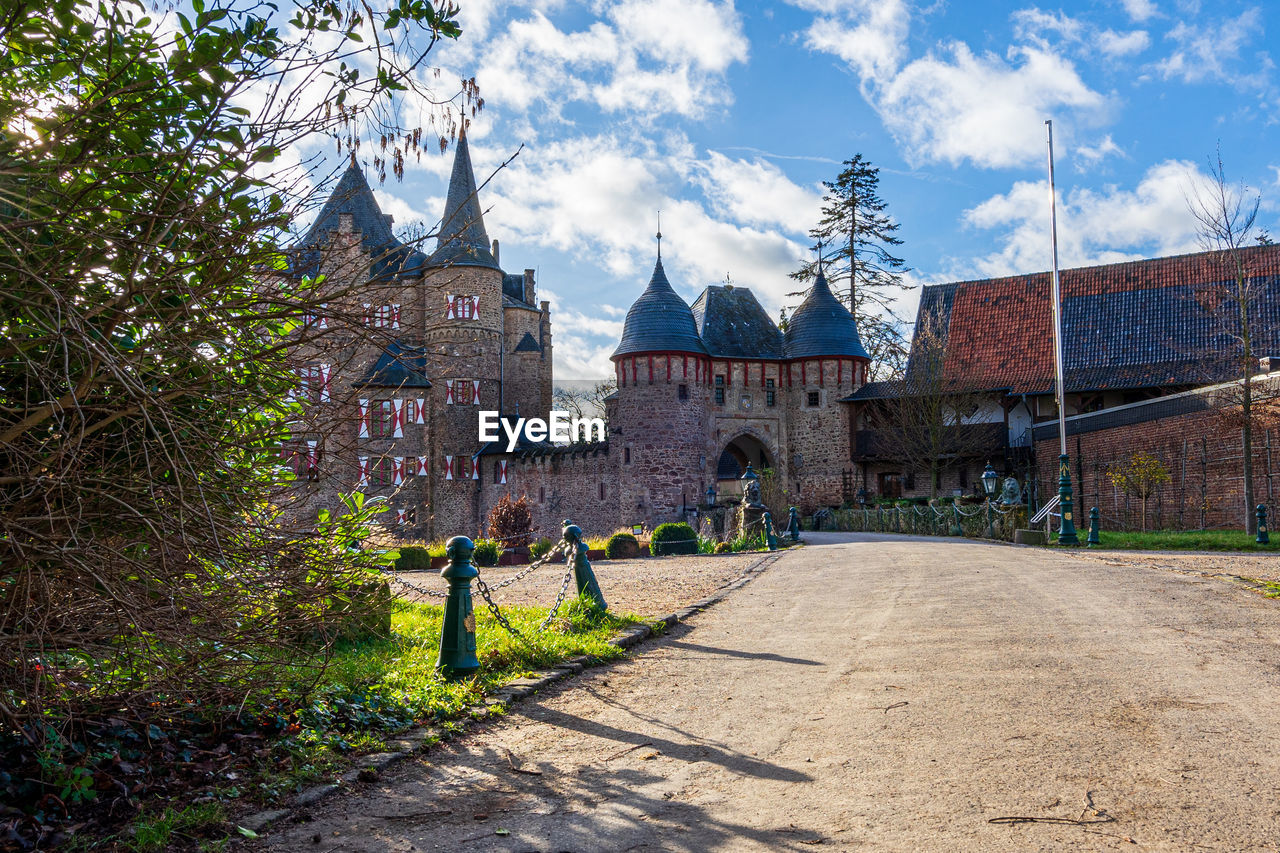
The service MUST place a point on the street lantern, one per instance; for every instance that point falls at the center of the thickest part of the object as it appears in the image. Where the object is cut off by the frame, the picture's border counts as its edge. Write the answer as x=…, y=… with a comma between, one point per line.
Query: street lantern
x=990, y=481
x=862, y=497
x=711, y=495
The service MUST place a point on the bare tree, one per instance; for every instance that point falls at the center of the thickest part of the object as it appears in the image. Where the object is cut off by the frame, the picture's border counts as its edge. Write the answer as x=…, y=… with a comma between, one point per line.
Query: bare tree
x=1226, y=216
x=583, y=402
x=929, y=424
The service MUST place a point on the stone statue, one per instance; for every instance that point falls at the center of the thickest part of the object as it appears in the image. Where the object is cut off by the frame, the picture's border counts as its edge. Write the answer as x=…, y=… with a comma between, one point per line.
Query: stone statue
x=1010, y=493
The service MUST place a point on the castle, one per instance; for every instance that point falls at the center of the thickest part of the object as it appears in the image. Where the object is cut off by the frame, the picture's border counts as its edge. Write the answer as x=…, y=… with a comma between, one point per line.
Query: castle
x=702, y=390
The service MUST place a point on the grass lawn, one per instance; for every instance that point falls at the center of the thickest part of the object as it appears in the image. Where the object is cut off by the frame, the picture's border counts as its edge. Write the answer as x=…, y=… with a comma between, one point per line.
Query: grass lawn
x=312, y=724
x=1178, y=540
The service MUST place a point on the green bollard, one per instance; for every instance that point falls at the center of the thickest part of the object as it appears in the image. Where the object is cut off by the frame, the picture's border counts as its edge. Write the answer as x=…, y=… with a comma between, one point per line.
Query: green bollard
x=1263, y=537
x=458, y=634
x=1093, y=528
x=582, y=572
x=793, y=524
x=770, y=538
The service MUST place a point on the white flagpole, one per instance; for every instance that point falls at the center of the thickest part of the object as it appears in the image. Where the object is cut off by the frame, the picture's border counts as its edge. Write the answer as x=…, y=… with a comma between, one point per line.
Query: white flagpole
x=1067, y=529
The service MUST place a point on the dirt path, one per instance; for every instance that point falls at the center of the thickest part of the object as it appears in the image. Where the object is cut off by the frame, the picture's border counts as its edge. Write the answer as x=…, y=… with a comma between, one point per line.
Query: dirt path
x=880, y=695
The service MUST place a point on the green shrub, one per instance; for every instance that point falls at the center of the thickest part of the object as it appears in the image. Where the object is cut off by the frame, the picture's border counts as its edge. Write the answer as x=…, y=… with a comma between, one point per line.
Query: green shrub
x=723, y=548
x=487, y=552
x=537, y=549
x=413, y=558
x=621, y=546
x=673, y=538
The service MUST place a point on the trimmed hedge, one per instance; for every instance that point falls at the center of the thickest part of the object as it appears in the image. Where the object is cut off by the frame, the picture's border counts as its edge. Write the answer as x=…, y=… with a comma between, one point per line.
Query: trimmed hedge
x=621, y=546
x=487, y=552
x=673, y=538
x=413, y=558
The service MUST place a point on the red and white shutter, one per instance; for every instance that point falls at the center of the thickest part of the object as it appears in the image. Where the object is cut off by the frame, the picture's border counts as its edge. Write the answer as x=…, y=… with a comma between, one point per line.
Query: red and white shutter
x=422, y=466
x=397, y=418
x=475, y=469
x=502, y=471
x=401, y=516
x=364, y=471
x=397, y=470
x=450, y=307
x=368, y=313
x=322, y=322
x=474, y=305
x=475, y=391
x=364, y=419
x=395, y=315
x=326, y=373
x=448, y=467
x=449, y=398
x=313, y=454
x=421, y=407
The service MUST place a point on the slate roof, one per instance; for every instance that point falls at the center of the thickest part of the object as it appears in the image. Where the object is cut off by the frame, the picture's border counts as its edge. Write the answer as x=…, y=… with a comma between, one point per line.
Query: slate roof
x=399, y=366
x=527, y=344
x=1137, y=324
x=659, y=321
x=822, y=326
x=463, y=240
x=513, y=286
x=391, y=258
x=732, y=324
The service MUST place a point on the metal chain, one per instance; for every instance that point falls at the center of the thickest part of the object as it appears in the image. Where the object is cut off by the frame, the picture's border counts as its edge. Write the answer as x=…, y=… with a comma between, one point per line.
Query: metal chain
x=433, y=593
x=483, y=589
x=564, y=588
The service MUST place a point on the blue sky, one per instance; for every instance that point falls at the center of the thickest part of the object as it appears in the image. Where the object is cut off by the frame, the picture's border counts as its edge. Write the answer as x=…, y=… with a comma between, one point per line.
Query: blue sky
x=726, y=117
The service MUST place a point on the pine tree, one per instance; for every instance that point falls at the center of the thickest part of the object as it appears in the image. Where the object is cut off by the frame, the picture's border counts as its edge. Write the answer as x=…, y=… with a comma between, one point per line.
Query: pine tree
x=864, y=270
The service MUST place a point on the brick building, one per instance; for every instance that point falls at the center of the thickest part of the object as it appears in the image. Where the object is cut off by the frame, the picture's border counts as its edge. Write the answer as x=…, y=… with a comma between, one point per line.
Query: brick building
x=1133, y=332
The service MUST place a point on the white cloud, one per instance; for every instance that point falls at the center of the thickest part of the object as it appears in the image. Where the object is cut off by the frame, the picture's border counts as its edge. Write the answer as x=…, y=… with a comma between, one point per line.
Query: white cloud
x=1090, y=155
x=957, y=106
x=1206, y=52
x=650, y=56
x=1116, y=44
x=1139, y=10
x=755, y=192
x=870, y=35
x=1094, y=226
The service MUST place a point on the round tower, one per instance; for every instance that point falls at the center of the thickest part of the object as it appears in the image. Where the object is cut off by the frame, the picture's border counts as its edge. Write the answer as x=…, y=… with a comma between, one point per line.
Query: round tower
x=825, y=362
x=658, y=422
x=462, y=306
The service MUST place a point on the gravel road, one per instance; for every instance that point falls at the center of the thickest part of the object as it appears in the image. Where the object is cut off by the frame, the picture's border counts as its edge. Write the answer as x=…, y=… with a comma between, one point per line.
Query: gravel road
x=879, y=693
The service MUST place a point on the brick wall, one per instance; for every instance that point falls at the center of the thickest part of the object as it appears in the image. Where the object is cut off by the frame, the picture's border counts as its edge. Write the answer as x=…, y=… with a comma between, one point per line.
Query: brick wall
x=1203, y=454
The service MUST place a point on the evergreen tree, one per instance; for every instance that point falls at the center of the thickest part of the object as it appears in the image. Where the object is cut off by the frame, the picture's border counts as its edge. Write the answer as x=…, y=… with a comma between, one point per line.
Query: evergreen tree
x=864, y=270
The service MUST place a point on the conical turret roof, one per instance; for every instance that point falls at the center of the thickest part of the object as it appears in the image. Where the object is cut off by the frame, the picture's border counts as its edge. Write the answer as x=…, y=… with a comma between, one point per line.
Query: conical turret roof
x=659, y=321
x=353, y=196
x=462, y=240
x=822, y=326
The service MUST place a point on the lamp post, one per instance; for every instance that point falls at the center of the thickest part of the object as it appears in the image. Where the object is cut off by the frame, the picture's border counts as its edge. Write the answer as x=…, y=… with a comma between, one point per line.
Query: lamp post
x=990, y=481
x=711, y=495
x=1067, y=529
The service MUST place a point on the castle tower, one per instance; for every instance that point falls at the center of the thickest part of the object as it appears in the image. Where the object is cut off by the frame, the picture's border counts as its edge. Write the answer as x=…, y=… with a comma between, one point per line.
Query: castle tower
x=462, y=305
x=659, y=419
x=825, y=362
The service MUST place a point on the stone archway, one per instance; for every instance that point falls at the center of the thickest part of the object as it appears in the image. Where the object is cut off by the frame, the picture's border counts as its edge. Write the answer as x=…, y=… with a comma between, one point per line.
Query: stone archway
x=733, y=460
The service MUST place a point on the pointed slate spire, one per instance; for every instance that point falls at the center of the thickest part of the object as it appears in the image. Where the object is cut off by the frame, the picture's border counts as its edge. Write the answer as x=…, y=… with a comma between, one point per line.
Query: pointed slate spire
x=463, y=240
x=354, y=196
x=659, y=321
x=822, y=326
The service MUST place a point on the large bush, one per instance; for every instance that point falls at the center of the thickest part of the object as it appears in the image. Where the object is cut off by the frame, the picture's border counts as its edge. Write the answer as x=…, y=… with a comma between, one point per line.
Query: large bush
x=511, y=522
x=673, y=538
x=413, y=558
x=621, y=546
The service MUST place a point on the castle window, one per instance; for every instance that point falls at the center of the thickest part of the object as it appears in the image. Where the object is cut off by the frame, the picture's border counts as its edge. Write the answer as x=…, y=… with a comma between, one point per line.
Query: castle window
x=542, y=494
x=626, y=455
x=910, y=481
x=602, y=491
x=461, y=392
x=461, y=307
x=770, y=395
x=720, y=390
x=382, y=472
x=382, y=419
x=682, y=392
x=382, y=316
x=815, y=398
